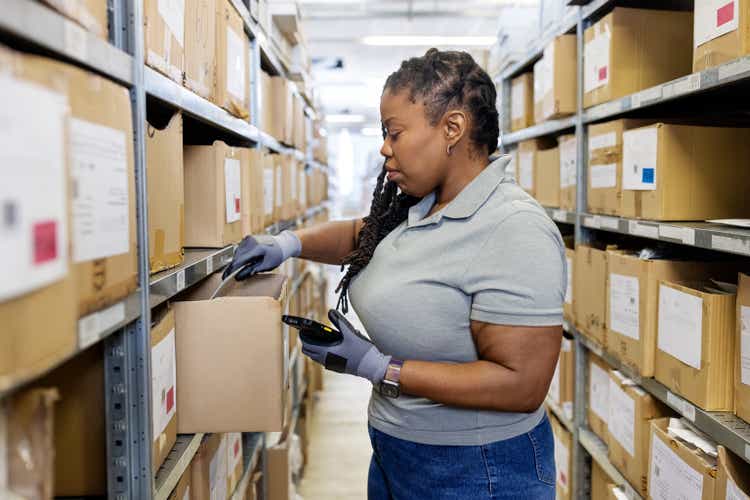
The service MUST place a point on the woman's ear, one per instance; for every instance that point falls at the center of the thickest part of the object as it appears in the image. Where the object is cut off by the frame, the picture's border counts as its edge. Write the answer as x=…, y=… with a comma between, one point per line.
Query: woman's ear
x=456, y=125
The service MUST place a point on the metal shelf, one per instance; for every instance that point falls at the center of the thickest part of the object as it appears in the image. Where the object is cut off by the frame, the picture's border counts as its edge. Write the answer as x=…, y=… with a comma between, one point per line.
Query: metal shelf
x=545, y=128
x=175, y=465
x=595, y=6
x=707, y=235
x=558, y=215
x=560, y=414
x=599, y=453
x=40, y=25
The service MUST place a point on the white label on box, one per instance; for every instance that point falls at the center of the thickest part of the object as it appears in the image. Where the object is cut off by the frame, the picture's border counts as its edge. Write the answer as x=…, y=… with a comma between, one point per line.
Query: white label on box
x=268, y=191
x=745, y=344
x=621, y=422
x=3, y=448
x=639, y=159
x=562, y=460
x=608, y=140
x=641, y=229
x=517, y=100
x=603, y=176
x=232, y=189
x=293, y=183
x=734, y=492
x=683, y=407
x=91, y=327
x=680, y=325
x=568, y=163
x=713, y=18
x=599, y=391
x=684, y=234
x=670, y=478
x=548, y=69
x=163, y=383
x=173, y=13
x=526, y=170
x=569, y=284
x=33, y=191
x=217, y=472
x=554, y=386
x=101, y=215
x=76, y=41
x=235, y=65
x=596, y=67
x=624, y=302
x=234, y=450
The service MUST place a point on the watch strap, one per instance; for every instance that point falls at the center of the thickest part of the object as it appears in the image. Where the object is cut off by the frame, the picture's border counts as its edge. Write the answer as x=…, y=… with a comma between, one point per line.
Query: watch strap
x=393, y=372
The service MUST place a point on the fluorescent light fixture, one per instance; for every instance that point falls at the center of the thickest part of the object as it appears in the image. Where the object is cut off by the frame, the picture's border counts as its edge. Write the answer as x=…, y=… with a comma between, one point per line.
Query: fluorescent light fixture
x=371, y=131
x=345, y=118
x=428, y=41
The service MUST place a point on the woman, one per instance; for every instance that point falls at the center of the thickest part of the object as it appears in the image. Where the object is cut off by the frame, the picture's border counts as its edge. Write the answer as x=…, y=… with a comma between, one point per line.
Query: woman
x=458, y=276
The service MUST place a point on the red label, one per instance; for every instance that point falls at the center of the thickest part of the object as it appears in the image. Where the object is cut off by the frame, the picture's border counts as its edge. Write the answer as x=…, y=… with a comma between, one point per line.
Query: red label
x=170, y=399
x=45, y=241
x=236, y=448
x=602, y=73
x=725, y=14
x=237, y=205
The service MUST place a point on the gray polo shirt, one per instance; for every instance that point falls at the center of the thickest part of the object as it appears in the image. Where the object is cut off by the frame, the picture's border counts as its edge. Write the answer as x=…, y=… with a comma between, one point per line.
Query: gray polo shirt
x=490, y=255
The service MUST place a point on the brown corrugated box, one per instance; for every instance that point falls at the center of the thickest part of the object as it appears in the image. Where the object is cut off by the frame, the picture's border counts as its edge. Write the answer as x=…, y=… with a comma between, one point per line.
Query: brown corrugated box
x=640, y=278
x=182, y=491
x=562, y=386
x=604, y=190
x=28, y=419
x=563, y=470
x=633, y=49
x=548, y=177
x=91, y=14
x=276, y=105
x=715, y=50
x=688, y=456
x=278, y=470
x=269, y=189
x=235, y=466
x=255, y=487
x=209, y=458
x=200, y=47
x=225, y=361
x=252, y=194
x=206, y=197
x=633, y=428
x=166, y=194
x=279, y=187
x=682, y=188
x=710, y=387
x=742, y=336
x=597, y=389
x=31, y=342
x=568, y=311
x=590, y=283
x=164, y=32
x=599, y=482
x=299, y=125
x=232, y=56
x=732, y=477
x=163, y=325
x=522, y=101
x=555, y=80
x=568, y=171
x=526, y=166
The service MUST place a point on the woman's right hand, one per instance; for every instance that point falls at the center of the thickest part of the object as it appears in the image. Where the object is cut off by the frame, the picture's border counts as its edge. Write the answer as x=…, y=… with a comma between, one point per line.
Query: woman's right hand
x=263, y=252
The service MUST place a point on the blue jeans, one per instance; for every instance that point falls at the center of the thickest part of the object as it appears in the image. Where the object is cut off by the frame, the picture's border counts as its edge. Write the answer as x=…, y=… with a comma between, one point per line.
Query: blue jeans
x=522, y=467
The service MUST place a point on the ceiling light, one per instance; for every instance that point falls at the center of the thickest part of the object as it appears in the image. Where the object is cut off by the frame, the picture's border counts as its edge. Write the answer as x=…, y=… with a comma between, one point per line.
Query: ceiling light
x=345, y=118
x=428, y=41
x=371, y=131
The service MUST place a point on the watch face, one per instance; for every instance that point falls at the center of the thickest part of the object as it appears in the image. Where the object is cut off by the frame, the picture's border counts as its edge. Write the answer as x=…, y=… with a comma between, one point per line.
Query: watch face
x=389, y=389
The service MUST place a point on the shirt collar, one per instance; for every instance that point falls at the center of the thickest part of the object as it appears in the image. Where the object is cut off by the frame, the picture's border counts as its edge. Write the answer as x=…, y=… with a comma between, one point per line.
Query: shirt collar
x=468, y=201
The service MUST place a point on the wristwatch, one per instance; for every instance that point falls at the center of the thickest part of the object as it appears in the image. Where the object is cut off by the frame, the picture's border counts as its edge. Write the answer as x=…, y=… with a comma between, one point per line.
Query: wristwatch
x=390, y=386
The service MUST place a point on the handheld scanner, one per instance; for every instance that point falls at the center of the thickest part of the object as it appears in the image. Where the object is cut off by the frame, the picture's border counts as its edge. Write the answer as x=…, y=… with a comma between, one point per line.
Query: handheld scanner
x=312, y=332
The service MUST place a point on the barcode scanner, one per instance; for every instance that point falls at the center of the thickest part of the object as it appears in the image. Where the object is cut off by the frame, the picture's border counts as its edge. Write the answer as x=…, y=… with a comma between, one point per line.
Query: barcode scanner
x=312, y=332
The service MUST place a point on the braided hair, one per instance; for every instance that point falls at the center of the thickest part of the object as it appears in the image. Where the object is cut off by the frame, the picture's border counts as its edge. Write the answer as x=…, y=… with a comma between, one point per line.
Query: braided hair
x=441, y=80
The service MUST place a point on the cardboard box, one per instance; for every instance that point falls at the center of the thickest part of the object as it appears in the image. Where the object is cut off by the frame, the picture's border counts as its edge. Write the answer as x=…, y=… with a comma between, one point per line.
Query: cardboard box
x=200, y=47
x=599, y=482
x=26, y=430
x=182, y=490
x=742, y=350
x=563, y=459
x=733, y=476
x=522, y=101
x=163, y=386
x=632, y=302
x=568, y=311
x=604, y=190
x=568, y=171
x=208, y=471
x=590, y=281
x=664, y=174
x=299, y=131
x=279, y=188
x=235, y=466
x=629, y=50
x=555, y=80
x=164, y=33
x=40, y=279
x=232, y=58
x=597, y=407
x=527, y=165
x=276, y=107
x=562, y=385
x=242, y=366
x=720, y=32
x=91, y=14
x=630, y=411
x=255, y=487
x=278, y=468
x=695, y=341
x=166, y=194
x=252, y=194
x=269, y=189
x=548, y=177
x=671, y=460
x=213, y=194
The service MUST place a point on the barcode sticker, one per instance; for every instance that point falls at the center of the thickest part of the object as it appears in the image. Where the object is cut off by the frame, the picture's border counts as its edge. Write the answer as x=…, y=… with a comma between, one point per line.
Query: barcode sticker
x=686, y=409
x=181, y=280
x=91, y=327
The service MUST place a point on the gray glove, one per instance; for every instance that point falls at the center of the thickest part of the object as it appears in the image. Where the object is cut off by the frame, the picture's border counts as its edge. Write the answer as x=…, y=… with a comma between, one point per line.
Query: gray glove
x=354, y=355
x=262, y=253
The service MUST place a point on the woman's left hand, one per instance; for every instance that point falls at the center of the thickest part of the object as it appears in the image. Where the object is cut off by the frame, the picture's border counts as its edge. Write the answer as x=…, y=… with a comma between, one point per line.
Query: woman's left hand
x=354, y=355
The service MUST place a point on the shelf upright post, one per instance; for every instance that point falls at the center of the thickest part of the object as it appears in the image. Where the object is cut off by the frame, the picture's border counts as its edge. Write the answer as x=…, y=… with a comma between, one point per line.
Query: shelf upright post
x=127, y=353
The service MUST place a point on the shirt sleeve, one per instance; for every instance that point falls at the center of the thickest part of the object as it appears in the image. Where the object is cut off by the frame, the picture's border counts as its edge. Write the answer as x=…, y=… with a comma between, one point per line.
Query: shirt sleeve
x=519, y=275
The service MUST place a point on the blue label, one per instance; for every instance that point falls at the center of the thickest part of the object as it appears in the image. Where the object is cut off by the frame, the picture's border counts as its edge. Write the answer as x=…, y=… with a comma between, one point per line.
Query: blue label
x=648, y=176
